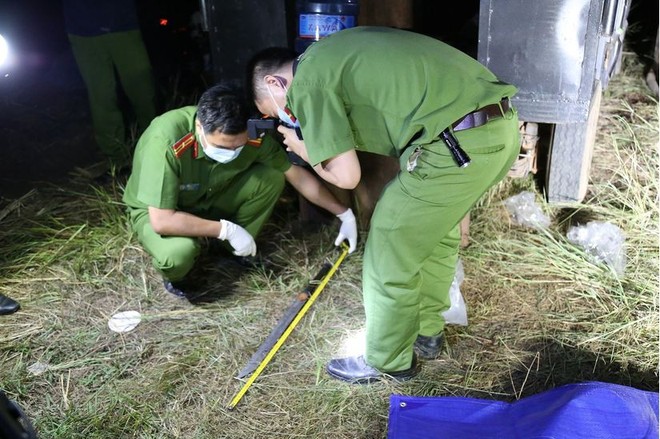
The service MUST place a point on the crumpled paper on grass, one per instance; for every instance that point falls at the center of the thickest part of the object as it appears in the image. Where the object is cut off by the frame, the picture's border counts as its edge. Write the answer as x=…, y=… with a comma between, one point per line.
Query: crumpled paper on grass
x=457, y=312
x=525, y=212
x=124, y=321
x=603, y=241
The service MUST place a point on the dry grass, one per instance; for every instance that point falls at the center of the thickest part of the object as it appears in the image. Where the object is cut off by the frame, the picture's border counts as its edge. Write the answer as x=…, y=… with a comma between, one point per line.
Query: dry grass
x=541, y=314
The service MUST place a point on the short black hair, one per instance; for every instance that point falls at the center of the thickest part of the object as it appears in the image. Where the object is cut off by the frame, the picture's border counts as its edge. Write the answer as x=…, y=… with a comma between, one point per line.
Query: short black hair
x=266, y=62
x=223, y=107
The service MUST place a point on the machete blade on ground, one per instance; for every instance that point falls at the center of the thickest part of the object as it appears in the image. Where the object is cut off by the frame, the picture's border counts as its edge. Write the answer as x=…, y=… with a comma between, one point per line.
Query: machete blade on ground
x=290, y=314
x=282, y=331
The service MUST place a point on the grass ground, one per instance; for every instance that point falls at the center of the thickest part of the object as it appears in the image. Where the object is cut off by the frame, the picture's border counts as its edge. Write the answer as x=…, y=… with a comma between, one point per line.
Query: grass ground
x=541, y=313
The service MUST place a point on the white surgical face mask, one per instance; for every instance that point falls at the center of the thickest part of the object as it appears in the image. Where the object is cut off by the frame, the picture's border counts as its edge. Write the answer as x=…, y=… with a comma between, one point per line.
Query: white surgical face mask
x=220, y=155
x=285, y=117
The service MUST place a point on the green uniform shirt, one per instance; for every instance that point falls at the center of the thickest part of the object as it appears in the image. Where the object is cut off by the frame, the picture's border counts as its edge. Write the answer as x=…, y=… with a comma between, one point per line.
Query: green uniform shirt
x=377, y=89
x=187, y=180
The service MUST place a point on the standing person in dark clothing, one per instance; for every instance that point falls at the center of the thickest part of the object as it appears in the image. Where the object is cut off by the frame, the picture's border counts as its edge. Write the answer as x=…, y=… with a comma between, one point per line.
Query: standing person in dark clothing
x=108, y=47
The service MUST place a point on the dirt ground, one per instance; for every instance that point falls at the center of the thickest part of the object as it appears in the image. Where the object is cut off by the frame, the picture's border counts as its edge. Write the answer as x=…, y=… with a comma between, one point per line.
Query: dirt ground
x=45, y=123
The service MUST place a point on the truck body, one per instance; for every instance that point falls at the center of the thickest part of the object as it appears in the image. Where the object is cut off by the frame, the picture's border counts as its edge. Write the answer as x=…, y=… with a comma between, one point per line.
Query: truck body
x=560, y=54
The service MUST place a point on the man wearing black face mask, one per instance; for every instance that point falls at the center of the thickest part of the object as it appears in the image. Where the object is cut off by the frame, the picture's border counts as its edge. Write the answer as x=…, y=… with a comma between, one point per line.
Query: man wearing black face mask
x=195, y=175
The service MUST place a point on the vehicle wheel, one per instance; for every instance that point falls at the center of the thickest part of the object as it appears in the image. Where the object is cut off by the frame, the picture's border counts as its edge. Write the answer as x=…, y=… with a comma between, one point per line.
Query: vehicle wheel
x=570, y=155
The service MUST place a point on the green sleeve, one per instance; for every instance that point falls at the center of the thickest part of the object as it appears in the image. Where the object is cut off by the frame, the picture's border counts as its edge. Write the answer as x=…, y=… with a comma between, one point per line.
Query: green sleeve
x=157, y=173
x=323, y=121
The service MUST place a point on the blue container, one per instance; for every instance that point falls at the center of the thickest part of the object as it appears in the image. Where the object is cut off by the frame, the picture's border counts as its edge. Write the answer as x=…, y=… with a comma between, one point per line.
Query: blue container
x=319, y=19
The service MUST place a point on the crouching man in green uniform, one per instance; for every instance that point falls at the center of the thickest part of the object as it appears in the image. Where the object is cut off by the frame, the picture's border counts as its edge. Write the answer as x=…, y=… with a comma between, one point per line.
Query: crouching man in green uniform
x=196, y=175
x=399, y=94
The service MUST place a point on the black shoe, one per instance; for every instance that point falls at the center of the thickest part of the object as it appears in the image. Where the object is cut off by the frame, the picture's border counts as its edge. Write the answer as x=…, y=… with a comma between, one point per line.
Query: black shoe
x=8, y=305
x=356, y=370
x=429, y=348
x=175, y=288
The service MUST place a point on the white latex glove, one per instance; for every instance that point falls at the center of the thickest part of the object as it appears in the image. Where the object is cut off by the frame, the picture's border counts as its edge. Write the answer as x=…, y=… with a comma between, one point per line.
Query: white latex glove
x=347, y=230
x=239, y=238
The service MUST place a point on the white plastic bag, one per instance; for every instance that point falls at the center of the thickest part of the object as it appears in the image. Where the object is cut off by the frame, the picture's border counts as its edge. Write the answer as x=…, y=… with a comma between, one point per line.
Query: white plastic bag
x=525, y=212
x=603, y=241
x=457, y=312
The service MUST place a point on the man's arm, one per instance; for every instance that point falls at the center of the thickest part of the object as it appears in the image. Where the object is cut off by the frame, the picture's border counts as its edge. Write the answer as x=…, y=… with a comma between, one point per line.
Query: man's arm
x=170, y=222
x=342, y=170
x=313, y=190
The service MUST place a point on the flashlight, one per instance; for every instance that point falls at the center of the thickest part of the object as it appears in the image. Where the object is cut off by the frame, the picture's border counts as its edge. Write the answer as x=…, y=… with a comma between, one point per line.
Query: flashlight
x=6, y=60
x=460, y=157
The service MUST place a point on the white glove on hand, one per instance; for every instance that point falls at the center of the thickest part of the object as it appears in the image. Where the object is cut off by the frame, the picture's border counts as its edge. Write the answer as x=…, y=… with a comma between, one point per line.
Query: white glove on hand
x=239, y=238
x=347, y=230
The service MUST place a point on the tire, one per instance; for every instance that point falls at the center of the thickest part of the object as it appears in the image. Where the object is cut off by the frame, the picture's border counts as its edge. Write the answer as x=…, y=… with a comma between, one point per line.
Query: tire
x=571, y=150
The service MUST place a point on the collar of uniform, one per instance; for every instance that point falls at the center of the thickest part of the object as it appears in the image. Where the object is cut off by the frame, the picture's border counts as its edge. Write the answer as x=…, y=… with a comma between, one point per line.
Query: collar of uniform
x=199, y=147
x=184, y=144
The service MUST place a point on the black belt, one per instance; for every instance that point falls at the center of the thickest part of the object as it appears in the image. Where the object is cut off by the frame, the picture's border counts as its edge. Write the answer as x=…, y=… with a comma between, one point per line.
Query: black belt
x=482, y=116
x=475, y=119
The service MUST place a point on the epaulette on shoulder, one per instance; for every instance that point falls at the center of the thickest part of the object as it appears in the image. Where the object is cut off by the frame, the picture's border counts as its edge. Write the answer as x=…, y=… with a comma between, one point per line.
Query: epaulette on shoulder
x=184, y=144
x=255, y=143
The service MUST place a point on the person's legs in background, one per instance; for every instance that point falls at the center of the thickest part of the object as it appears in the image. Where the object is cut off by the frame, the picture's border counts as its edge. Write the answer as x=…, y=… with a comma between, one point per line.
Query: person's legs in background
x=97, y=70
x=133, y=66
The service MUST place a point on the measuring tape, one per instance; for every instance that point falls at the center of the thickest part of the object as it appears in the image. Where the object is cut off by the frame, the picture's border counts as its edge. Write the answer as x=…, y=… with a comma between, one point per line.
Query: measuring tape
x=289, y=329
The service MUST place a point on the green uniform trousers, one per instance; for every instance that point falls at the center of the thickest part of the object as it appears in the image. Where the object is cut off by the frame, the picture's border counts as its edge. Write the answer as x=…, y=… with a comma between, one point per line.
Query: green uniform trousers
x=101, y=60
x=248, y=201
x=412, y=247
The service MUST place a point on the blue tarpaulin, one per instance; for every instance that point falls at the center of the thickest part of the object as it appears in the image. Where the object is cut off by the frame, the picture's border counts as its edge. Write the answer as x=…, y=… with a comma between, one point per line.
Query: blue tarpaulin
x=591, y=410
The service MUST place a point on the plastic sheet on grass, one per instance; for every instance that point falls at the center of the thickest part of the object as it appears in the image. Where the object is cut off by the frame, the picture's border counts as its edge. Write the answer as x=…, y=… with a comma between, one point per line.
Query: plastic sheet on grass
x=574, y=411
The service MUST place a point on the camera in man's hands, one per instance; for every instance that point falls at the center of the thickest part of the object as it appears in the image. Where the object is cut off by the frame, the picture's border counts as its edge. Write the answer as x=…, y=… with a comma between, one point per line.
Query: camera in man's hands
x=256, y=128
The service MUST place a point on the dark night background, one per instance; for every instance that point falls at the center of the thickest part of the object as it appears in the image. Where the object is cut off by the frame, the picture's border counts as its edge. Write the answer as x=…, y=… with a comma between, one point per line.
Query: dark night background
x=44, y=117
x=45, y=122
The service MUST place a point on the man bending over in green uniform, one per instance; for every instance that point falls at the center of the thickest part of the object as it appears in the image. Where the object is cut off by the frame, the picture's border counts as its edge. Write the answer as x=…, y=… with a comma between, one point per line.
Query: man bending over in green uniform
x=399, y=94
x=196, y=175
